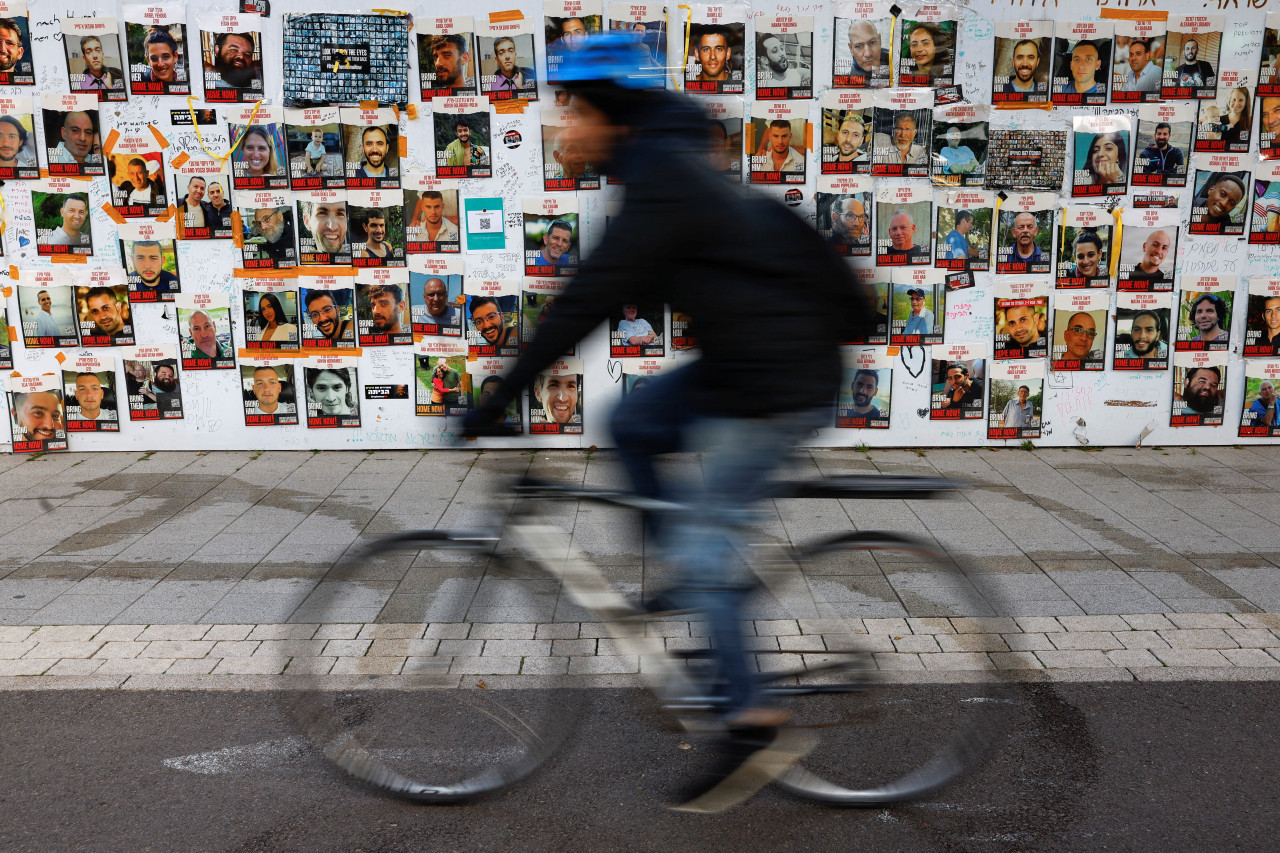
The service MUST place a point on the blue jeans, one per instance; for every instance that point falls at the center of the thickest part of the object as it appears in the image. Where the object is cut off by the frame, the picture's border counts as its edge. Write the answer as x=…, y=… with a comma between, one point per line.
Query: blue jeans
x=739, y=455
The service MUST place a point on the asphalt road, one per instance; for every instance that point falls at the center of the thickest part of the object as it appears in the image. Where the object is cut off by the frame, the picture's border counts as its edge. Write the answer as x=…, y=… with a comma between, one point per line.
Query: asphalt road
x=1185, y=766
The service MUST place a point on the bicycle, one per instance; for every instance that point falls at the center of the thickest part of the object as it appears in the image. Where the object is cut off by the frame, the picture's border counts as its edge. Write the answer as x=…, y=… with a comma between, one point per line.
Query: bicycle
x=390, y=738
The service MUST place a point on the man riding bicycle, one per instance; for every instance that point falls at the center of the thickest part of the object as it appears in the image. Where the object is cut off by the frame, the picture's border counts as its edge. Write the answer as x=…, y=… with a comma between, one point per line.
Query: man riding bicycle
x=770, y=303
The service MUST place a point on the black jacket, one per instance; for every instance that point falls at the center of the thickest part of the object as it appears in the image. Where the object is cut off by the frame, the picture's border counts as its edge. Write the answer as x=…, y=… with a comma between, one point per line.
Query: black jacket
x=770, y=300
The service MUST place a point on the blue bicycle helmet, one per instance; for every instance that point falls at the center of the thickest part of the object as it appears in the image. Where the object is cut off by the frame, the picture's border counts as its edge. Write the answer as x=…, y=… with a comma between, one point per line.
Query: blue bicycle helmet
x=616, y=58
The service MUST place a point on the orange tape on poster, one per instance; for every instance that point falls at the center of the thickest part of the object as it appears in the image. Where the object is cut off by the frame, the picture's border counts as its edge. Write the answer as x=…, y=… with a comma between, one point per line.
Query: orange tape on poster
x=110, y=210
x=109, y=143
x=69, y=259
x=504, y=17
x=351, y=351
x=411, y=111
x=168, y=214
x=1133, y=15
x=160, y=137
x=237, y=230
x=1044, y=105
x=515, y=105
x=368, y=105
x=402, y=146
x=177, y=162
x=60, y=358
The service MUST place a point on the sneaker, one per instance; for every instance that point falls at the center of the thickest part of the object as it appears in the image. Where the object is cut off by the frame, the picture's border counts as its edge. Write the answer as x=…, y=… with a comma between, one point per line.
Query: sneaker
x=749, y=760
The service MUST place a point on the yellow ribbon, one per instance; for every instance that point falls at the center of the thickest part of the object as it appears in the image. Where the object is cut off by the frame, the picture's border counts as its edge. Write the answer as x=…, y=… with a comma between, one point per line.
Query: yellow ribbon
x=685, y=64
x=1115, y=242
x=234, y=145
x=893, y=66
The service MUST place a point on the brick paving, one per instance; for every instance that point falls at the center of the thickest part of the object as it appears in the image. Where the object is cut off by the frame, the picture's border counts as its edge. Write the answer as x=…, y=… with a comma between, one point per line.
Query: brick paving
x=215, y=569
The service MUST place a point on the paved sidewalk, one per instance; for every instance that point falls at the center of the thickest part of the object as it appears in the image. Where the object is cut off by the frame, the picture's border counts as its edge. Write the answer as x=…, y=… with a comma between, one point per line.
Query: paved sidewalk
x=175, y=568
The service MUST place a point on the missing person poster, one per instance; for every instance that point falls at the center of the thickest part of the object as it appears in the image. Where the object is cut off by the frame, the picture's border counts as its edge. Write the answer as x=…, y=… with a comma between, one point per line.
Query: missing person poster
x=151, y=382
x=150, y=257
x=442, y=386
x=959, y=145
x=94, y=64
x=555, y=400
x=957, y=378
x=323, y=235
x=564, y=164
x=1136, y=74
x=258, y=135
x=37, y=419
x=902, y=210
x=431, y=207
x=204, y=331
x=102, y=306
x=328, y=311
x=270, y=308
x=377, y=227
x=648, y=25
x=900, y=146
x=865, y=389
x=717, y=50
x=777, y=139
x=1268, y=108
x=1020, y=66
x=1264, y=221
x=1022, y=320
x=62, y=221
x=1101, y=166
x=202, y=189
x=446, y=57
x=371, y=142
x=1269, y=63
x=89, y=389
x=725, y=129
x=463, y=137
x=333, y=392
x=538, y=295
x=486, y=377
x=919, y=311
x=72, y=135
x=927, y=44
x=878, y=282
x=1016, y=406
x=1204, y=313
x=1162, y=144
x=1199, y=388
x=231, y=49
x=313, y=142
x=1225, y=122
x=963, y=229
x=18, y=158
x=135, y=170
x=1080, y=330
x=844, y=213
x=637, y=373
x=1084, y=247
x=46, y=306
x=551, y=235
x=1262, y=330
x=861, y=39
x=566, y=25
x=1142, y=331
x=1221, y=195
x=268, y=237
x=1149, y=250
x=847, y=124
x=637, y=330
x=269, y=390
x=1081, y=63
x=17, y=65
x=6, y=341
x=493, y=317
x=435, y=295
x=1024, y=237
x=158, y=50
x=784, y=57
x=504, y=48
x=1192, y=53
x=1258, y=414
x=382, y=307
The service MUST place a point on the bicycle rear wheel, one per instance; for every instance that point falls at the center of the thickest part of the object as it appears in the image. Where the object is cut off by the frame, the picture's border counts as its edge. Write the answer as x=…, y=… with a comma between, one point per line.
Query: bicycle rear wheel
x=882, y=743
x=432, y=720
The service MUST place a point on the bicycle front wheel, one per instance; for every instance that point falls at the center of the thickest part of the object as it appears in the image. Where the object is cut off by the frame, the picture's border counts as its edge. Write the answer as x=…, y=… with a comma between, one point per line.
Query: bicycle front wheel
x=884, y=742
x=435, y=716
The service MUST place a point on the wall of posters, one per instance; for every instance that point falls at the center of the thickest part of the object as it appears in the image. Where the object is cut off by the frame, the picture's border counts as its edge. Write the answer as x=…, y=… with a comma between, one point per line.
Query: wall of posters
x=1077, y=202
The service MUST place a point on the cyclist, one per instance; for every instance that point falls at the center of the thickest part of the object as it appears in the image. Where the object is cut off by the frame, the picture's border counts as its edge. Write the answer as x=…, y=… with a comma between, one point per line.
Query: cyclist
x=770, y=303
